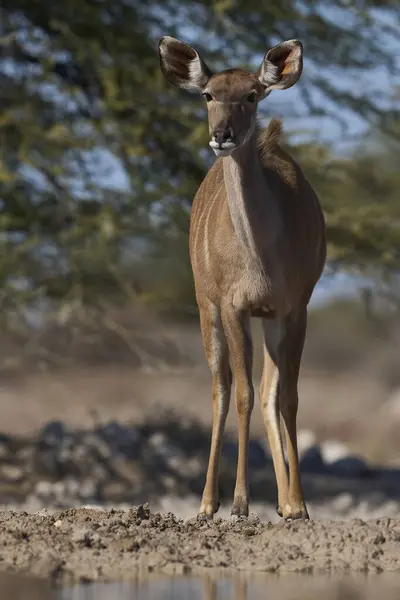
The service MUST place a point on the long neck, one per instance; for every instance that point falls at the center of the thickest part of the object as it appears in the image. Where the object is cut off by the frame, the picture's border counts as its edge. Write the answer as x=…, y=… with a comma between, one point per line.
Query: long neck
x=252, y=206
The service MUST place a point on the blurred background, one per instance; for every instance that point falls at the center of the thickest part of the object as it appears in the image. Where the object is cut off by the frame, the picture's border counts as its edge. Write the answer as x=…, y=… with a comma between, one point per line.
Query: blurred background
x=104, y=391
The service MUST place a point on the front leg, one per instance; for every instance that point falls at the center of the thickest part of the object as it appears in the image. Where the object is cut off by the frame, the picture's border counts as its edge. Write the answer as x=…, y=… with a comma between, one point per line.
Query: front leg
x=237, y=330
x=218, y=360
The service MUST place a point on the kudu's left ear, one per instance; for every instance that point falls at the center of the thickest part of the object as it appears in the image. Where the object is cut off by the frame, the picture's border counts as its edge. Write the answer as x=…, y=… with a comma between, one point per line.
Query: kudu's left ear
x=282, y=66
x=182, y=65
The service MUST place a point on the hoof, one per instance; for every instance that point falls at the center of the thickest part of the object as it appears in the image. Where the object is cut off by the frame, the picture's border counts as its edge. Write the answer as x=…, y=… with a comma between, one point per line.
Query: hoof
x=208, y=510
x=240, y=507
x=300, y=515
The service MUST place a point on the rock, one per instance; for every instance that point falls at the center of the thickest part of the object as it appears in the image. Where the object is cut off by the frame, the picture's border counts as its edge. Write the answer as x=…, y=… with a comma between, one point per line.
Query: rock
x=25, y=453
x=120, y=438
x=391, y=508
x=53, y=433
x=306, y=439
x=87, y=489
x=95, y=442
x=44, y=489
x=350, y=466
x=230, y=451
x=72, y=487
x=58, y=490
x=258, y=458
x=143, y=511
x=114, y=491
x=33, y=503
x=312, y=461
x=161, y=446
x=12, y=472
x=342, y=503
x=333, y=450
x=4, y=450
x=176, y=463
x=158, y=440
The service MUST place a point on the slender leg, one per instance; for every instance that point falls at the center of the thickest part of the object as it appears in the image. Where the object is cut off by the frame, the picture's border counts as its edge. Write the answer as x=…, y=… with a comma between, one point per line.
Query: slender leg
x=218, y=360
x=289, y=367
x=269, y=398
x=237, y=330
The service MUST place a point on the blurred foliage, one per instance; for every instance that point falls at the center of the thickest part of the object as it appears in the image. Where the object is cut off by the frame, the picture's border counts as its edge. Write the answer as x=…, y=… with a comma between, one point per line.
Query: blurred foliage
x=100, y=158
x=360, y=195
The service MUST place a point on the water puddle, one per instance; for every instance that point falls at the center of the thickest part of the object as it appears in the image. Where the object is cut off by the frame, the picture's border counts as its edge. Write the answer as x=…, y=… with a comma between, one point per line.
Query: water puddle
x=253, y=586
x=211, y=586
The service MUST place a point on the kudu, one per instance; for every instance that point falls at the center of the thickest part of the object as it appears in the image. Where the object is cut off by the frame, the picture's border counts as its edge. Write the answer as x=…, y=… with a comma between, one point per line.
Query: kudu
x=257, y=248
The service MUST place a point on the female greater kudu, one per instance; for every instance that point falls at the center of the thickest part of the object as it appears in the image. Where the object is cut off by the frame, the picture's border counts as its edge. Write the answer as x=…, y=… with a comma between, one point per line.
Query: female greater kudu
x=257, y=247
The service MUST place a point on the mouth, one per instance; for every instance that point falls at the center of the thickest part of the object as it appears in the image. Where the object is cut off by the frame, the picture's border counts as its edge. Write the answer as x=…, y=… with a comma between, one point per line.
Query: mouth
x=224, y=149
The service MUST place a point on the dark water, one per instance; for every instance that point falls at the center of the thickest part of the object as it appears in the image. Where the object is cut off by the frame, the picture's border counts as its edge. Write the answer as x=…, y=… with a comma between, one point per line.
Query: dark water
x=242, y=587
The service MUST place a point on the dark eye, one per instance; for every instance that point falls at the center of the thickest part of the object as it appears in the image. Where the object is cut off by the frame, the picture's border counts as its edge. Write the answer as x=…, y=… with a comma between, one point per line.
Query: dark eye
x=207, y=96
x=251, y=97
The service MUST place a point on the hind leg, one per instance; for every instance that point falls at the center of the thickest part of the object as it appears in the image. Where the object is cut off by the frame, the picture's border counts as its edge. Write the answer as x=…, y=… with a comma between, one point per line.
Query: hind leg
x=289, y=360
x=269, y=399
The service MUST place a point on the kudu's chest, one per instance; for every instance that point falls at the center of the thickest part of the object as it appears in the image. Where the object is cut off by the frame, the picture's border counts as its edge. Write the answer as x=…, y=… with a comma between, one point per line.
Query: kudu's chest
x=255, y=240
x=249, y=267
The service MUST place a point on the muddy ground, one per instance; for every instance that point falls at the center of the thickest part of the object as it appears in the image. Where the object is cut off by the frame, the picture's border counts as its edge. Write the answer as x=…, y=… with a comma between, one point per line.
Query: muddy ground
x=91, y=545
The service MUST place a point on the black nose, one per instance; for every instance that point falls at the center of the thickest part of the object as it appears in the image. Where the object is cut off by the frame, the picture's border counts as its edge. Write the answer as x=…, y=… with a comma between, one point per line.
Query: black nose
x=222, y=134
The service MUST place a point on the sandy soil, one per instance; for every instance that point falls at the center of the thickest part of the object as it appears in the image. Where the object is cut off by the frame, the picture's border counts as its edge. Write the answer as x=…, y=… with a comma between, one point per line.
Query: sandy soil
x=92, y=545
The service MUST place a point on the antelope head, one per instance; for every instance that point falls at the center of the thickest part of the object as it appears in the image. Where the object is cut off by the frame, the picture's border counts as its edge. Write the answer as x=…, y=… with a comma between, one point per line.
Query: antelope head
x=233, y=95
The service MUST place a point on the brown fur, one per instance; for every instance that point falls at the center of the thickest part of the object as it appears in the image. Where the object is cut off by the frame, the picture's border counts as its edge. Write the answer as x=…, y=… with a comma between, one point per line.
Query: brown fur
x=268, y=138
x=257, y=248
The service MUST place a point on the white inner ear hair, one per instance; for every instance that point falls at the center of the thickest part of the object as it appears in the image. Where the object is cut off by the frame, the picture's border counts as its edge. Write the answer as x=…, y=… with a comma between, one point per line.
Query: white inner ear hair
x=269, y=73
x=197, y=77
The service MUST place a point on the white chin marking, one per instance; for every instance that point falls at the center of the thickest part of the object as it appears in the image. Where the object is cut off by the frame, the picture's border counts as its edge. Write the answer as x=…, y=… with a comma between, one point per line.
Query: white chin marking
x=224, y=150
x=221, y=152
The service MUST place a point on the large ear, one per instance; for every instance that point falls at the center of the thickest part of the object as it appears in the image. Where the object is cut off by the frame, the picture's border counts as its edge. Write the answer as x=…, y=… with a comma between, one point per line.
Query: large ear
x=282, y=66
x=182, y=65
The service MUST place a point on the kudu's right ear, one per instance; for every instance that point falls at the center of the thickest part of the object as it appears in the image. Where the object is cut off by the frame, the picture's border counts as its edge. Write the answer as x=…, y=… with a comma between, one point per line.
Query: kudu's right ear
x=182, y=65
